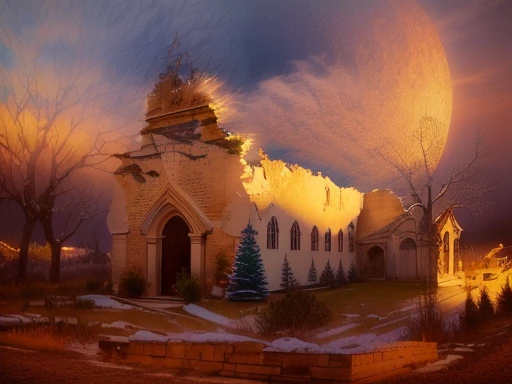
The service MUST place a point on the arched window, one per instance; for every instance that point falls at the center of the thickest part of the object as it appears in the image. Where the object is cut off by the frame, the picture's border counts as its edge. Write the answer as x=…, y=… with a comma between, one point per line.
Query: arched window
x=328, y=240
x=340, y=241
x=314, y=239
x=272, y=234
x=351, y=238
x=295, y=237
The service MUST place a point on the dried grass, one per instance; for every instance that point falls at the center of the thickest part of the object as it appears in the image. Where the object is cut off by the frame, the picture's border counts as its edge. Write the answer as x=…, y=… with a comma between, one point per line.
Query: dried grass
x=40, y=338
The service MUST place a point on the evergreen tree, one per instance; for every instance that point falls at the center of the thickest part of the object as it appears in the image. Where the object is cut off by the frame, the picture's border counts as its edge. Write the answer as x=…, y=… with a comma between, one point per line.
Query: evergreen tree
x=485, y=307
x=470, y=318
x=340, y=275
x=352, y=275
x=248, y=281
x=327, y=277
x=312, y=272
x=287, y=278
x=504, y=300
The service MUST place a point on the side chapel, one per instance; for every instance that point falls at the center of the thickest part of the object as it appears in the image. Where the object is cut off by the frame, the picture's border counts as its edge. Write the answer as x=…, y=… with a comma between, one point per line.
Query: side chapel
x=185, y=195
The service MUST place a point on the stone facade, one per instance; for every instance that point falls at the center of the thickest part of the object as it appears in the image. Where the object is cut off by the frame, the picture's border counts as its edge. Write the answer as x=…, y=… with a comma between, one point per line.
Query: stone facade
x=187, y=167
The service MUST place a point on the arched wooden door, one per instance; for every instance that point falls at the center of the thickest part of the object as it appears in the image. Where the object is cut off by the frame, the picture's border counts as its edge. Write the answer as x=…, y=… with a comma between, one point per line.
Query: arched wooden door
x=175, y=252
x=375, y=266
x=407, y=262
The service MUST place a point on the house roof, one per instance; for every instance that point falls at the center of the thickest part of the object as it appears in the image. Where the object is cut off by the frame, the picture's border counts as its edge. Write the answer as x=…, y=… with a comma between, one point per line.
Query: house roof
x=388, y=228
x=446, y=215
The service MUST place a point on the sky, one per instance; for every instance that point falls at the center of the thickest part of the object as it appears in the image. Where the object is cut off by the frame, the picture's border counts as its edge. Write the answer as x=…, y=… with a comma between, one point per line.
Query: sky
x=322, y=71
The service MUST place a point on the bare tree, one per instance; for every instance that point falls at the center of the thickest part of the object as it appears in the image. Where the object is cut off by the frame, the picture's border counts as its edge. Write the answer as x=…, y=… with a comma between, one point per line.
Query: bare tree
x=69, y=84
x=462, y=186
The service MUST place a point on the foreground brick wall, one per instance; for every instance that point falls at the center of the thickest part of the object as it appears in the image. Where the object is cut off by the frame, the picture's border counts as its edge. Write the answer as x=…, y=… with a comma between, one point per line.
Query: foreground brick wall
x=248, y=359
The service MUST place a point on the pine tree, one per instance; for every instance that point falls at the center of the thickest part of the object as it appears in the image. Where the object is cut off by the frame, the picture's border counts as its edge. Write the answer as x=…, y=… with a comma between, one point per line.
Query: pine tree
x=327, y=277
x=504, y=300
x=248, y=281
x=340, y=275
x=312, y=272
x=352, y=274
x=485, y=307
x=470, y=318
x=287, y=276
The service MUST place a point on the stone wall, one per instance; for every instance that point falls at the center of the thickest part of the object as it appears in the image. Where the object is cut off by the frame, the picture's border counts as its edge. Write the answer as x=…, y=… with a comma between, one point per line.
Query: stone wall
x=249, y=359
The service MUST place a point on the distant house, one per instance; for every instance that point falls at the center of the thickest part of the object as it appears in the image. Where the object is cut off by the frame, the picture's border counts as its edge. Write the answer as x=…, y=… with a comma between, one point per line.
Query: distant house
x=185, y=195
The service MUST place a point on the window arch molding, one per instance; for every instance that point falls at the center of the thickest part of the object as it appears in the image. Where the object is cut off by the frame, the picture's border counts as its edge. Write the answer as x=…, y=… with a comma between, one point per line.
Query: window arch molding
x=295, y=237
x=314, y=238
x=273, y=234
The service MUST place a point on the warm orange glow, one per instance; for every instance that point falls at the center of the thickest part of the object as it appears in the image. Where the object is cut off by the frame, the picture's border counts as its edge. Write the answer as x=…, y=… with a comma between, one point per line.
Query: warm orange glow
x=9, y=247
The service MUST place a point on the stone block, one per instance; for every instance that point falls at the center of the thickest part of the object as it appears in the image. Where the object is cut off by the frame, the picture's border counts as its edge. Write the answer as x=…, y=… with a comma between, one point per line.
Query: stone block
x=342, y=361
x=223, y=348
x=176, y=350
x=362, y=371
x=205, y=366
x=273, y=358
x=169, y=362
x=135, y=348
x=227, y=373
x=329, y=373
x=229, y=367
x=248, y=346
x=394, y=354
x=295, y=364
x=257, y=369
x=318, y=360
x=362, y=359
x=245, y=358
x=155, y=349
x=377, y=357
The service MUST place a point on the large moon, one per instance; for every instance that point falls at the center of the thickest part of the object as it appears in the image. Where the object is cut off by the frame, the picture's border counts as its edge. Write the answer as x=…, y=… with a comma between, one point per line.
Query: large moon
x=333, y=85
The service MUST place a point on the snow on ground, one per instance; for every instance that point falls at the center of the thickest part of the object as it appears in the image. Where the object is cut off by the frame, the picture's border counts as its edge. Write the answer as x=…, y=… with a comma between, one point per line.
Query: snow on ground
x=336, y=331
x=289, y=344
x=91, y=349
x=209, y=315
x=120, y=325
x=366, y=341
x=108, y=365
x=196, y=337
x=105, y=302
x=438, y=365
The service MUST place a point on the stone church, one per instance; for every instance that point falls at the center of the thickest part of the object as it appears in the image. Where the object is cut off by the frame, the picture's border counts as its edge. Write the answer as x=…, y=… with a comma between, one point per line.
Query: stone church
x=184, y=197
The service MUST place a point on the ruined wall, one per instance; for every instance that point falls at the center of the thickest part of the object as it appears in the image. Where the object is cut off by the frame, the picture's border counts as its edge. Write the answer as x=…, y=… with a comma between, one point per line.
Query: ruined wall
x=292, y=193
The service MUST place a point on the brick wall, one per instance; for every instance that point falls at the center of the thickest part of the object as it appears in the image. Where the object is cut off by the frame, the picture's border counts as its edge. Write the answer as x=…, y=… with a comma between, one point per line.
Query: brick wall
x=248, y=359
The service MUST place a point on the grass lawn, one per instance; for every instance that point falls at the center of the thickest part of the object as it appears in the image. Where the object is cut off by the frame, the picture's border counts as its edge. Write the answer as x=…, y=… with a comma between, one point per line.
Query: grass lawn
x=377, y=298
x=177, y=321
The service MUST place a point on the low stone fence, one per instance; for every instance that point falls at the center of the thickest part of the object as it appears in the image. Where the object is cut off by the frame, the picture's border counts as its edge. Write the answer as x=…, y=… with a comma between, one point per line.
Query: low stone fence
x=249, y=359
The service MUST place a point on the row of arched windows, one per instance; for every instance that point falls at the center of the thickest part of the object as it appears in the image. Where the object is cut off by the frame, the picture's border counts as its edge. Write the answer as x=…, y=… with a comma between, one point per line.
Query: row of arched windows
x=273, y=237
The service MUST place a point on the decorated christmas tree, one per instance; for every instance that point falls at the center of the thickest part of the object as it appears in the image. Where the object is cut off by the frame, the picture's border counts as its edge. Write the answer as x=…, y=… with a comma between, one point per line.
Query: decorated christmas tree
x=248, y=281
x=312, y=272
x=340, y=275
x=287, y=278
x=352, y=275
x=327, y=277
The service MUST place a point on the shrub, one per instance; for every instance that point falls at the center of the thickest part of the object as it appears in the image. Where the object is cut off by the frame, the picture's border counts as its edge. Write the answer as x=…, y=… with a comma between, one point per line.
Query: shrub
x=287, y=277
x=188, y=287
x=222, y=268
x=84, y=304
x=312, y=272
x=485, y=307
x=132, y=282
x=327, y=277
x=469, y=318
x=504, y=300
x=293, y=314
x=428, y=324
x=352, y=274
x=93, y=284
x=340, y=275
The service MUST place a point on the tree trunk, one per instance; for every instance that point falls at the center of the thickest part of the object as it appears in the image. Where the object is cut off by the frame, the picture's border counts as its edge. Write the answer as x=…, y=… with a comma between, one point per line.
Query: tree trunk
x=28, y=227
x=55, y=261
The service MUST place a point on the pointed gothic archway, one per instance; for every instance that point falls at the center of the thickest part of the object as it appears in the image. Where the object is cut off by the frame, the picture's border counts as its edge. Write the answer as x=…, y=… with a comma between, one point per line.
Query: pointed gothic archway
x=175, y=252
x=375, y=265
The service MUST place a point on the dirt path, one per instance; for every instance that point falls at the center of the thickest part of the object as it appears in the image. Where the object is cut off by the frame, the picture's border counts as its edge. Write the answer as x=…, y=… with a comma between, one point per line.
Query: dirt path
x=31, y=367
x=488, y=364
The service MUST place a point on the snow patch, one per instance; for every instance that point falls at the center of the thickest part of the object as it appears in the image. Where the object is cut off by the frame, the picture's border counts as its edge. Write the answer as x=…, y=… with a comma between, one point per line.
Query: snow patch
x=105, y=302
x=208, y=315
x=462, y=349
x=287, y=344
x=335, y=331
x=441, y=364
x=119, y=325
